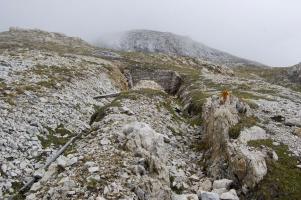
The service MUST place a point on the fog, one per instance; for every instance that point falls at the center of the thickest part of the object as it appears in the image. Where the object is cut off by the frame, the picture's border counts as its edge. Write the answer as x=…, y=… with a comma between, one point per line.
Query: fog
x=268, y=31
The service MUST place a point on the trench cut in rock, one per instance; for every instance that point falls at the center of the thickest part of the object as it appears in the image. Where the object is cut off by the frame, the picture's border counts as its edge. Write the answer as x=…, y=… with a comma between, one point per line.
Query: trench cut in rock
x=169, y=80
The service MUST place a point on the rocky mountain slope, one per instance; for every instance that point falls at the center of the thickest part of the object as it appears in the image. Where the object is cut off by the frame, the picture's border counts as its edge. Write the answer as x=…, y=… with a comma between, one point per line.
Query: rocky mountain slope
x=169, y=43
x=80, y=122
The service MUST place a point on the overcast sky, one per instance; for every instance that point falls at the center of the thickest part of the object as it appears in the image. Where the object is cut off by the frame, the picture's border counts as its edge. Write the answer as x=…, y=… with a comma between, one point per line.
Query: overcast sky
x=268, y=31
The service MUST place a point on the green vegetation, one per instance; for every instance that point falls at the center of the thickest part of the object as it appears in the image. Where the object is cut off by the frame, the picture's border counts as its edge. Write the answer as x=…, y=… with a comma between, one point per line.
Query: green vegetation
x=57, y=137
x=244, y=122
x=194, y=111
x=246, y=95
x=100, y=112
x=283, y=180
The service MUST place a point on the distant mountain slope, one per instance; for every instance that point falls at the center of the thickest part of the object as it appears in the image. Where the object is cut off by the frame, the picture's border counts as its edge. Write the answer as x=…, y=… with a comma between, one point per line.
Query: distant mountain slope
x=294, y=73
x=39, y=39
x=169, y=43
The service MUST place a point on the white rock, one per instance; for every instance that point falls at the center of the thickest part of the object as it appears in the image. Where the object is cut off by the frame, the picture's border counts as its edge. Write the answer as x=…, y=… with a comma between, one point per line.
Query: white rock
x=100, y=198
x=205, y=185
x=184, y=197
x=39, y=173
x=275, y=156
x=4, y=168
x=105, y=141
x=31, y=197
x=222, y=183
x=35, y=187
x=231, y=195
x=90, y=164
x=253, y=133
x=62, y=161
x=209, y=196
x=219, y=191
x=293, y=122
x=93, y=169
x=194, y=177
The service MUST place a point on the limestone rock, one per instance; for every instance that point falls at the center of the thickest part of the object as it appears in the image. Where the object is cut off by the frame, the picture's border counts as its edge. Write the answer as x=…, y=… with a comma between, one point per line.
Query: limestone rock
x=231, y=195
x=185, y=197
x=222, y=183
x=219, y=191
x=293, y=122
x=253, y=133
x=248, y=165
x=209, y=196
x=143, y=139
x=205, y=185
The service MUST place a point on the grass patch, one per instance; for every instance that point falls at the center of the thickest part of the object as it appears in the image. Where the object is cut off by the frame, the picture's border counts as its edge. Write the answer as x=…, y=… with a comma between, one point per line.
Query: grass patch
x=101, y=112
x=246, y=95
x=283, y=180
x=57, y=137
x=244, y=122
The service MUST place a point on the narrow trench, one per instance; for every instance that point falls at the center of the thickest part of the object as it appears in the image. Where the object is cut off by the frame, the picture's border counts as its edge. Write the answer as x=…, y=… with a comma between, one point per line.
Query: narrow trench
x=170, y=81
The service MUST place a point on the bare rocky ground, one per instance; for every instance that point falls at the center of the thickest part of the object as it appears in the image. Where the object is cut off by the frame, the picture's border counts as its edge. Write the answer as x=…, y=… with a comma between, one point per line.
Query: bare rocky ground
x=143, y=143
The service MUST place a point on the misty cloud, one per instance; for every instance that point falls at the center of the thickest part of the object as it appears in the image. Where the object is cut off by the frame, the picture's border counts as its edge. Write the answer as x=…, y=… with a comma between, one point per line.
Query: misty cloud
x=267, y=31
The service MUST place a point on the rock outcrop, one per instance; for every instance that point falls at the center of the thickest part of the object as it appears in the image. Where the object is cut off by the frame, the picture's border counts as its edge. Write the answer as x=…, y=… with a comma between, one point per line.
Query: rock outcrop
x=294, y=73
x=168, y=43
x=228, y=158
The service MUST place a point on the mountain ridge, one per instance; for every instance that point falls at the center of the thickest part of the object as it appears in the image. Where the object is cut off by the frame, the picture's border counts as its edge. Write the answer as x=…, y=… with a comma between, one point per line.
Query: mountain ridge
x=166, y=42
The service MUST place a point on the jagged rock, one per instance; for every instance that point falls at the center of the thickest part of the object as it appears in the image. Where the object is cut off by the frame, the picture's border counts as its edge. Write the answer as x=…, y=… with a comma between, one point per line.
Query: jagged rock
x=274, y=156
x=143, y=139
x=35, y=187
x=100, y=198
x=153, y=189
x=179, y=179
x=126, y=110
x=105, y=141
x=231, y=159
x=205, y=185
x=93, y=169
x=185, y=197
x=293, y=122
x=218, y=118
x=231, y=195
x=62, y=161
x=222, y=183
x=209, y=196
x=297, y=132
x=31, y=197
x=249, y=166
x=219, y=191
x=39, y=173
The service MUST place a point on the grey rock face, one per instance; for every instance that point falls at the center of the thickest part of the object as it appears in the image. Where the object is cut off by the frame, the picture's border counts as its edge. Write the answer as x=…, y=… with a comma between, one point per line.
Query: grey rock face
x=168, y=43
x=243, y=163
x=231, y=195
x=209, y=196
x=294, y=73
x=222, y=183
